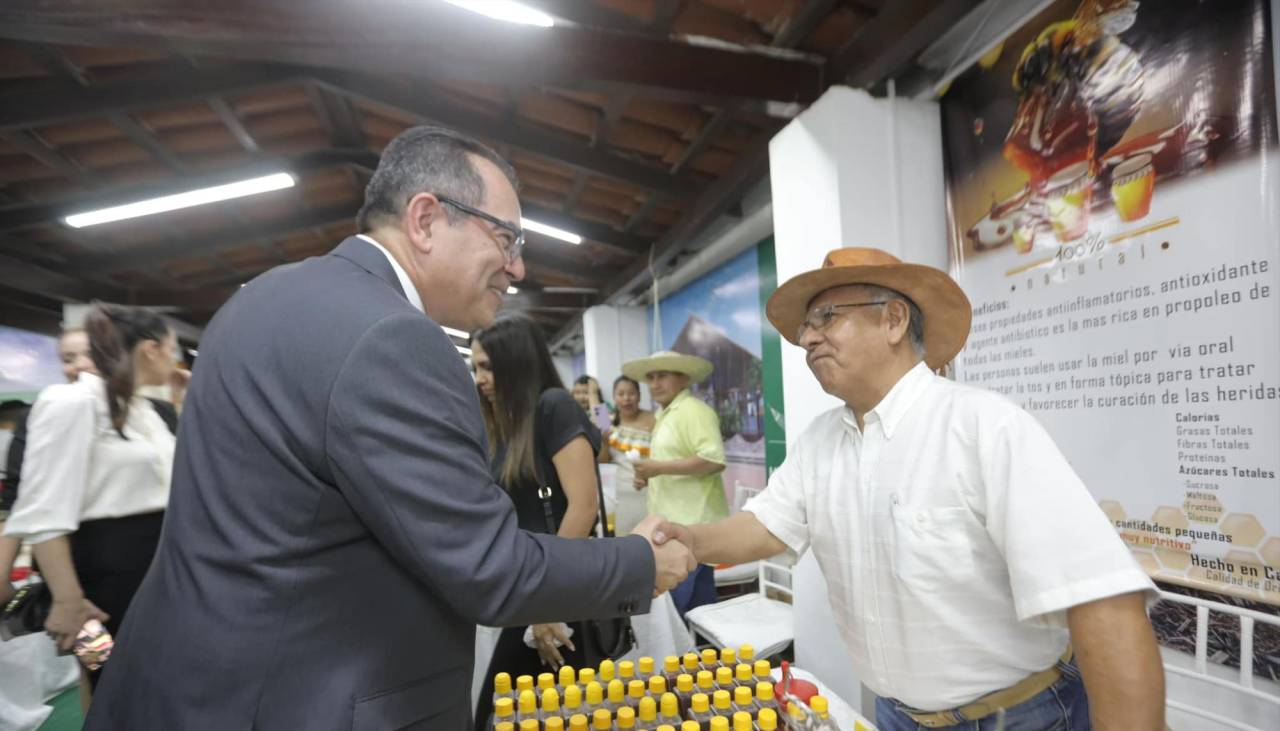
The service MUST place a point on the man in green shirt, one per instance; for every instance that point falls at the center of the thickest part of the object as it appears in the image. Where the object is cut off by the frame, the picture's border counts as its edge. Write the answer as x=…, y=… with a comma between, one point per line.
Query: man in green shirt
x=686, y=458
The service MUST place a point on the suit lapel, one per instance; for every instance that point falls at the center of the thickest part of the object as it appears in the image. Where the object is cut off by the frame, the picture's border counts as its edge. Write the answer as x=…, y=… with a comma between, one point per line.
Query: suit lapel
x=367, y=257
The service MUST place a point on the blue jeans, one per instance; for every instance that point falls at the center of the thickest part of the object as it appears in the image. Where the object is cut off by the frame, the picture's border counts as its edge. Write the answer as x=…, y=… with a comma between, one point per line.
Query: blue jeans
x=1062, y=706
x=697, y=589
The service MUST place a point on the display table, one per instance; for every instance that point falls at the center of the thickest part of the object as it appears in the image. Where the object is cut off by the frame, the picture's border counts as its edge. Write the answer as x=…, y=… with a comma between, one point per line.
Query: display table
x=840, y=710
x=658, y=634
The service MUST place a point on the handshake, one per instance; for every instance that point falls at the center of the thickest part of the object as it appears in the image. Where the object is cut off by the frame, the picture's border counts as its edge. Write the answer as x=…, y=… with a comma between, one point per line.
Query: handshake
x=673, y=557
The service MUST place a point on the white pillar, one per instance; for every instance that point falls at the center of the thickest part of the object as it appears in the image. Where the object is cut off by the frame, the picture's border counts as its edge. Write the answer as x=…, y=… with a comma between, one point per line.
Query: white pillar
x=612, y=336
x=851, y=170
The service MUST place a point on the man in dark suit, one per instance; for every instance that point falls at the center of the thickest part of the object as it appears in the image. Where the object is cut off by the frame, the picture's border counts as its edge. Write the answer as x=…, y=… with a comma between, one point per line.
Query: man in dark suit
x=333, y=534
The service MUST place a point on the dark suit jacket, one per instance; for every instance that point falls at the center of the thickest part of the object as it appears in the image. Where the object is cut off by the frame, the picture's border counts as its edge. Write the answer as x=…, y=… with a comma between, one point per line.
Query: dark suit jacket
x=333, y=534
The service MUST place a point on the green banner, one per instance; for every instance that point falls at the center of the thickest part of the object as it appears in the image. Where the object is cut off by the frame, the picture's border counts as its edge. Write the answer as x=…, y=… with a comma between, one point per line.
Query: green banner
x=775, y=434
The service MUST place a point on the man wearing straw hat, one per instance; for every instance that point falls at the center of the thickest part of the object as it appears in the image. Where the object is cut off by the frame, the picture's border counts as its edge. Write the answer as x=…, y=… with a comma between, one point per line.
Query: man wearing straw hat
x=686, y=457
x=974, y=580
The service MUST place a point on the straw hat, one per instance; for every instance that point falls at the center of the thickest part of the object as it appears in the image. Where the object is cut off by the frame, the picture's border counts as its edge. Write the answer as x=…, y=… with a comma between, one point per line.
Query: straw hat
x=946, y=309
x=697, y=369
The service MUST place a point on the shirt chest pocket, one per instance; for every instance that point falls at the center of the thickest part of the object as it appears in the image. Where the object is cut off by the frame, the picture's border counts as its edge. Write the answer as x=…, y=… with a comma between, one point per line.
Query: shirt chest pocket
x=934, y=547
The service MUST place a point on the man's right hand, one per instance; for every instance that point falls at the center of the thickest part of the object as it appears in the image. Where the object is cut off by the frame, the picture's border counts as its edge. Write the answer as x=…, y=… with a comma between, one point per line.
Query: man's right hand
x=666, y=531
x=673, y=561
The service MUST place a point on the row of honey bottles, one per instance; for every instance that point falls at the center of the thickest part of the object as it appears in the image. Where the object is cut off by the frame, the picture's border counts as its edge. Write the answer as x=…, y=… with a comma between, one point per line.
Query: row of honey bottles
x=627, y=721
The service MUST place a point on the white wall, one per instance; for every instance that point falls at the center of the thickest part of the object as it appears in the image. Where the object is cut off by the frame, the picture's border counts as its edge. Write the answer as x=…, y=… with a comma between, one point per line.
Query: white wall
x=850, y=171
x=612, y=336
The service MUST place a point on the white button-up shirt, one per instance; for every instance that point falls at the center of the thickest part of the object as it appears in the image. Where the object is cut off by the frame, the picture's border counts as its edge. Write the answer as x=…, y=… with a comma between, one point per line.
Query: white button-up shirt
x=77, y=467
x=953, y=536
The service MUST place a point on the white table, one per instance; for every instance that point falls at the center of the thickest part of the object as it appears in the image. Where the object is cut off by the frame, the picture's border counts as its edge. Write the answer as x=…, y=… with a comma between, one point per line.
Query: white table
x=841, y=711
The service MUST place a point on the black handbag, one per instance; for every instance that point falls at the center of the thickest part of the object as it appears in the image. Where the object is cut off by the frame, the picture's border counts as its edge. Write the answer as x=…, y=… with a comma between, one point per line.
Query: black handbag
x=26, y=612
x=603, y=639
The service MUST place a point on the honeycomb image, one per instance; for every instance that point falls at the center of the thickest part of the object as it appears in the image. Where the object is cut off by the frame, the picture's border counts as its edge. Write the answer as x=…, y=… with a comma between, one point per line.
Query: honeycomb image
x=1113, y=509
x=1171, y=558
x=1244, y=529
x=1270, y=553
x=1170, y=517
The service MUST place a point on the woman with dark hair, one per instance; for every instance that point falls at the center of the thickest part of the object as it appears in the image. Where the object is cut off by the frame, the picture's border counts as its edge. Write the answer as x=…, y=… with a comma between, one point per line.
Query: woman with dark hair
x=539, y=438
x=96, y=475
x=626, y=442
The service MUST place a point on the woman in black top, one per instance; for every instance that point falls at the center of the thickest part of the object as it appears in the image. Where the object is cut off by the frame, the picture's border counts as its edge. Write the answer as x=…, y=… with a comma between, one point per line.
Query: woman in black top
x=538, y=437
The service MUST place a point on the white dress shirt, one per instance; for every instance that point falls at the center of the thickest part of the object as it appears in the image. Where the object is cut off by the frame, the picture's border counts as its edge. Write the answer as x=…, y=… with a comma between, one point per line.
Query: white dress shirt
x=77, y=468
x=410, y=291
x=953, y=536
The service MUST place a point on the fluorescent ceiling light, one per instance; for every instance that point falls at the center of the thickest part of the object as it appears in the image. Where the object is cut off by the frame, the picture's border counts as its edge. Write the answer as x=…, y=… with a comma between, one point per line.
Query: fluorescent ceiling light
x=188, y=199
x=512, y=12
x=457, y=333
x=552, y=231
x=464, y=351
x=512, y=290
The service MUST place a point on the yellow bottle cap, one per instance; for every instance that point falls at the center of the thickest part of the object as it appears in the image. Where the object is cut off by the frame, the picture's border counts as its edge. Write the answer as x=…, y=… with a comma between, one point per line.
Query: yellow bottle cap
x=523, y=683
x=670, y=705
x=572, y=696
x=700, y=703
x=691, y=662
x=657, y=685
x=720, y=699
x=729, y=656
x=719, y=723
x=860, y=726
x=607, y=671
x=741, y=721
x=819, y=705
x=746, y=653
x=502, y=683
x=635, y=689
x=764, y=692
x=577, y=722
x=724, y=676
x=684, y=682
x=530, y=724
x=742, y=695
x=743, y=673
x=602, y=719
x=595, y=693
x=504, y=726
x=709, y=657
x=586, y=675
x=690, y=726
x=504, y=707
x=528, y=702
x=763, y=669
x=670, y=664
x=567, y=676
x=794, y=710
x=546, y=680
x=626, y=670
x=553, y=723
x=706, y=680
x=617, y=691
x=666, y=727
x=646, y=666
x=550, y=700
x=626, y=717
x=648, y=709
x=767, y=720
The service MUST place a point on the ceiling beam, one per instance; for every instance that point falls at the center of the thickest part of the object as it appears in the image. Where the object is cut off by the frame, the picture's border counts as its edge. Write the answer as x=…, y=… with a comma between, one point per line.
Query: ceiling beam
x=338, y=116
x=418, y=39
x=38, y=214
x=68, y=101
x=143, y=138
x=31, y=144
x=751, y=166
x=427, y=105
x=55, y=61
x=234, y=125
x=27, y=277
x=892, y=40
x=642, y=213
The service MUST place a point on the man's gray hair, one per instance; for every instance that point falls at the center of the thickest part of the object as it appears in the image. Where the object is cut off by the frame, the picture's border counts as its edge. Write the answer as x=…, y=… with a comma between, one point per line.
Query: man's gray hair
x=915, y=324
x=426, y=160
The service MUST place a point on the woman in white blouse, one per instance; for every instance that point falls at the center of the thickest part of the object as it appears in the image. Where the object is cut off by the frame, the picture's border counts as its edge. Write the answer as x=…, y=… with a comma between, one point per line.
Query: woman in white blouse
x=96, y=474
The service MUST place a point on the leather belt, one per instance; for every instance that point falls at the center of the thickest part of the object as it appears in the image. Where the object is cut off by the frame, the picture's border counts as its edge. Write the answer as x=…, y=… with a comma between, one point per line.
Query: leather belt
x=1028, y=688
